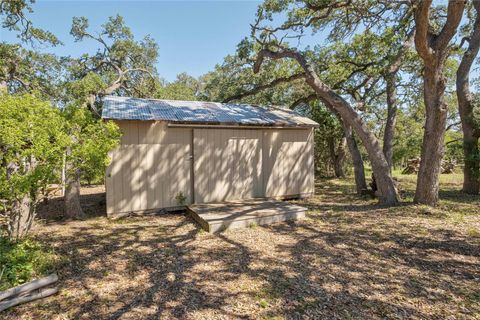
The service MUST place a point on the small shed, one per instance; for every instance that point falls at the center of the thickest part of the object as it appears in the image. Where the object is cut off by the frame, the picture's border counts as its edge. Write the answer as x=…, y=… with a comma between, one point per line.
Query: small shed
x=177, y=153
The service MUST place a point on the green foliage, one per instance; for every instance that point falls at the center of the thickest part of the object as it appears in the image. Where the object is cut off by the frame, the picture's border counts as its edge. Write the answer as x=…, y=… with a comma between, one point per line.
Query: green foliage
x=181, y=198
x=408, y=135
x=91, y=83
x=235, y=76
x=122, y=65
x=329, y=130
x=14, y=19
x=32, y=141
x=185, y=87
x=24, y=260
x=92, y=140
x=26, y=71
x=453, y=145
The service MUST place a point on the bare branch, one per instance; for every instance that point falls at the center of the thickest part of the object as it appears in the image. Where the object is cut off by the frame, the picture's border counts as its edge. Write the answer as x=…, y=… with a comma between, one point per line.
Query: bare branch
x=140, y=69
x=453, y=125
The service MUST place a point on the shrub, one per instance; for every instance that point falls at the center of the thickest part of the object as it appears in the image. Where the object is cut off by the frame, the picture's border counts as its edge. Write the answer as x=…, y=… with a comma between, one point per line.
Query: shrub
x=24, y=260
x=31, y=148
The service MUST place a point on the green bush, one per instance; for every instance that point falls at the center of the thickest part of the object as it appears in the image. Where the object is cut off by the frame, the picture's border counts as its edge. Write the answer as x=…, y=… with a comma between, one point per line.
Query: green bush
x=23, y=261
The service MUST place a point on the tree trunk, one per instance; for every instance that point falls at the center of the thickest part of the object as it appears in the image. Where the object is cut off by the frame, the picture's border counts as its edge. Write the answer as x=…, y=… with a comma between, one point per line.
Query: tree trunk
x=21, y=213
x=21, y=218
x=387, y=191
x=64, y=169
x=73, y=208
x=433, y=137
x=338, y=156
x=471, y=132
x=358, y=168
x=471, y=169
x=434, y=50
x=391, y=88
x=331, y=149
x=389, y=131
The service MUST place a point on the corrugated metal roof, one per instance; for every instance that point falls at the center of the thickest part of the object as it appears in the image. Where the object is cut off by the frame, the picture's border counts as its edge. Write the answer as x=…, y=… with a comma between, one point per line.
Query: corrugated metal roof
x=199, y=112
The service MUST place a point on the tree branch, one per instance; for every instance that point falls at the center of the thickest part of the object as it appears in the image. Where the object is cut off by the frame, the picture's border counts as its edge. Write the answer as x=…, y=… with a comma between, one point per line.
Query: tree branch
x=265, y=86
x=454, y=16
x=304, y=100
x=398, y=59
x=422, y=25
x=473, y=48
x=329, y=7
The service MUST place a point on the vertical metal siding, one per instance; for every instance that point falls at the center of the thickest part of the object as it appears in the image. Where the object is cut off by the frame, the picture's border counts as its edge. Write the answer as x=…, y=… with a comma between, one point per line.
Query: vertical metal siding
x=152, y=165
x=232, y=164
x=227, y=164
x=288, y=162
x=149, y=168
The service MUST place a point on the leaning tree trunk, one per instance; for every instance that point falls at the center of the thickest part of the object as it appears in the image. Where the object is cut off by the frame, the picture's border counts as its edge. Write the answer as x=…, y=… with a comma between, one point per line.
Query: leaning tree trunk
x=358, y=168
x=387, y=194
x=471, y=132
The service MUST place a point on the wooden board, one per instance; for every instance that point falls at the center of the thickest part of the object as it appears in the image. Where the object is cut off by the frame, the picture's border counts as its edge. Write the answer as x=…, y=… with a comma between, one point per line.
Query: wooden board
x=216, y=217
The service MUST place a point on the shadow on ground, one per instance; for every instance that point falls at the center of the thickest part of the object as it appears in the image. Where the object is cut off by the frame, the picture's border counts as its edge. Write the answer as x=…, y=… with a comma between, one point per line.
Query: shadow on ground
x=349, y=259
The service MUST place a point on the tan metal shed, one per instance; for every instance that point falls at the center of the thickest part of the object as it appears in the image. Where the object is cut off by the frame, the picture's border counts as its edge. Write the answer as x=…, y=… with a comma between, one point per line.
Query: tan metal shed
x=175, y=153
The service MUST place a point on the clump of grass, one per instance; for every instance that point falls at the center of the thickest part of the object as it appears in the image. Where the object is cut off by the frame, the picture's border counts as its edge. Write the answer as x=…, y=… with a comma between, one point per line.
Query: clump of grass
x=24, y=260
x=263, y=303
x=472, y=232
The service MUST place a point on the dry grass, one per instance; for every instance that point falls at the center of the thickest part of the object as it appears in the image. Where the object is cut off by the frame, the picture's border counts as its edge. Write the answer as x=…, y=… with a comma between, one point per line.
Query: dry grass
x=348, y=259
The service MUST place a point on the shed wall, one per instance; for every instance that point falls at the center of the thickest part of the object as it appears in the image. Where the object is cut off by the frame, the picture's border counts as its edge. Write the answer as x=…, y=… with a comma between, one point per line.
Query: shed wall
x=149, y=168
x=228, y=164
x=153, y=164
x=288, y=168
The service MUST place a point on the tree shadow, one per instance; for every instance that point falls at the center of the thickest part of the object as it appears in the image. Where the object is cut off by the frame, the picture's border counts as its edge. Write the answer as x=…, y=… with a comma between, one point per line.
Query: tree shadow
x=92, y=200
x=355, y=260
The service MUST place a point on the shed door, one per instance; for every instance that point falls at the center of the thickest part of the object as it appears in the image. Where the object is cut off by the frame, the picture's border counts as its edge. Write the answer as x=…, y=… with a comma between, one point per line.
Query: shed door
x=227, y=164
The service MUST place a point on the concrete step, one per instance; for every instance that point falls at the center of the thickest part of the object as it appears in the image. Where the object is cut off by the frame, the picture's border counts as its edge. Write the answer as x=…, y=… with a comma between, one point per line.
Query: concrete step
x=216, y=217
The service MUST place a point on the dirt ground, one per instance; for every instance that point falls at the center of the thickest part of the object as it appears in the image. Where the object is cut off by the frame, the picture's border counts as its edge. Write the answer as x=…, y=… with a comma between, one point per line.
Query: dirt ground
x=349, y=259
